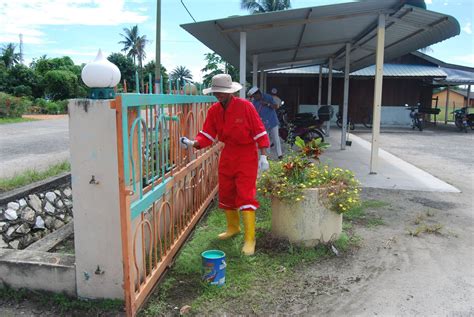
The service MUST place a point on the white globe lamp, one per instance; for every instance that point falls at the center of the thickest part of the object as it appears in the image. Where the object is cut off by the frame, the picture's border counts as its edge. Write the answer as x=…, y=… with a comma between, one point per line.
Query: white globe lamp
x=101, y=76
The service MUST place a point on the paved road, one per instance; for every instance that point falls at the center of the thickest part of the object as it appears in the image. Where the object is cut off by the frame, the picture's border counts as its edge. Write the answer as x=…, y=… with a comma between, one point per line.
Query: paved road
x=35, y=144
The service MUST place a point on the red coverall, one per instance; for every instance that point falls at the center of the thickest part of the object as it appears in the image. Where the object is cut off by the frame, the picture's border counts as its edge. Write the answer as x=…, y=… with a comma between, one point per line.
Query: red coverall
x=240, y=128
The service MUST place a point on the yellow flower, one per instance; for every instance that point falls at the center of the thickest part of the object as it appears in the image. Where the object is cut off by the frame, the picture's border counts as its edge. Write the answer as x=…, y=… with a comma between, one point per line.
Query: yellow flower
x=297, y=199
x=331, y=194
x=340, y=205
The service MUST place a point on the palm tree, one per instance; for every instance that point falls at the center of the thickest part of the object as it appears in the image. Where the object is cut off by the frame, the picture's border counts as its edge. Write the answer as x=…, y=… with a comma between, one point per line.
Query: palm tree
x=261, y=6
x=182, y=74
x=134, y=45
x=130, y=41
x=9, y=57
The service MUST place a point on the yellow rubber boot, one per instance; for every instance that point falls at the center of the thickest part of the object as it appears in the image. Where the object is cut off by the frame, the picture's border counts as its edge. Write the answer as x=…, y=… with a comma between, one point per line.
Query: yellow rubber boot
x=249, y=235
x=233, y=224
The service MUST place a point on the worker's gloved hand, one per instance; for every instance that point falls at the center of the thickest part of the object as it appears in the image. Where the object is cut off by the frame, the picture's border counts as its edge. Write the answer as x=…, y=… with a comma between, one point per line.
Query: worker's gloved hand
x=185, y=142
x=263, y=163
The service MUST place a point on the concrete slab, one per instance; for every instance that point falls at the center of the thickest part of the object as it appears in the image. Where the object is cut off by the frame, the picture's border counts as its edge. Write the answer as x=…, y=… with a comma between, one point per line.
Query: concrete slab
x=36, y=270
x=393, y=172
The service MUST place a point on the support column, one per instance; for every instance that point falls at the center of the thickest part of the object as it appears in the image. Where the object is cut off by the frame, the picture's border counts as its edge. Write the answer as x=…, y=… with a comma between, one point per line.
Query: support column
x=97, y=225
x=262, y=74
x=377, y=94
x=446, y=110
x=346, y=96
x=320, y=84
x=158, y=49
x=330, y=82
x=468, y=95
x=254, y=70
x=243, y=64
x=265, y=82
x=329, y=91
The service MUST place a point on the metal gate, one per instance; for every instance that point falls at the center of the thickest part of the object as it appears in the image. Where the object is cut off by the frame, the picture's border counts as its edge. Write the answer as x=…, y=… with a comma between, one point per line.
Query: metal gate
x=164, y=189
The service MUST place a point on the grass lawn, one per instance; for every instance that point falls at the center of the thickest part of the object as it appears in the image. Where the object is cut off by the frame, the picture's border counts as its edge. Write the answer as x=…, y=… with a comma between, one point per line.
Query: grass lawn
x=248, y=279
x=31, y=176
x=15, y=120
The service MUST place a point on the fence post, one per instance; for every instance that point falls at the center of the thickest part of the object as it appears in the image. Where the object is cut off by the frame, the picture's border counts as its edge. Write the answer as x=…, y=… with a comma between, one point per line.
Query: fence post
x=95, y=184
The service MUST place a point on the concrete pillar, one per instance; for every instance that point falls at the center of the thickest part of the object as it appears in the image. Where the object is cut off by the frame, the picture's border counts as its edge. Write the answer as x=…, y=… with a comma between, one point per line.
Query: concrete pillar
x=377, y=94
x=243, y=63
x=345, y=105
x=94, y=169
x=446, y=110
x=262, y=74
x=468, y=95
x=320, y=84
x=330, y=82
x=255, y=70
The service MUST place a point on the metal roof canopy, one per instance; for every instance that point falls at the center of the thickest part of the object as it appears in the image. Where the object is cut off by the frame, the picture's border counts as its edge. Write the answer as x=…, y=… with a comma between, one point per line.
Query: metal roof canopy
x=310, y=36
x=389, y=70
x=346, y=36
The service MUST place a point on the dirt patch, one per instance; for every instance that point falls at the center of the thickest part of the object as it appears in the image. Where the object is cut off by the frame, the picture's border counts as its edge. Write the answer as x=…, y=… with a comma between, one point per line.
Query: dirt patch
x=44, y=116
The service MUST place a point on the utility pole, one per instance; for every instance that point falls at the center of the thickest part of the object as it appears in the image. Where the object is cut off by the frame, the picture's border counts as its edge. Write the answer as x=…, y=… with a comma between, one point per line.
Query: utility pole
x=158, y=48
x=21, y=48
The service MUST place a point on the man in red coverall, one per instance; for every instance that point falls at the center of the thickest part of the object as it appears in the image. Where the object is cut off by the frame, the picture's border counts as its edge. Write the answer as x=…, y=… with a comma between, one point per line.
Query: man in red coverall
x=236, y=123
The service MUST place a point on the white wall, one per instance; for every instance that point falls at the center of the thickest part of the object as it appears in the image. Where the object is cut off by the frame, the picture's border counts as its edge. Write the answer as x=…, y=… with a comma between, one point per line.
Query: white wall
x=391, y=116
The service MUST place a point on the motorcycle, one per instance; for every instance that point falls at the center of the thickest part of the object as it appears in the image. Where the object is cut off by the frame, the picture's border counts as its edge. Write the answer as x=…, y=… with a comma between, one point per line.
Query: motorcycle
x=350, y=124
x=416, y=116
x=462, y=119
x=305, y=125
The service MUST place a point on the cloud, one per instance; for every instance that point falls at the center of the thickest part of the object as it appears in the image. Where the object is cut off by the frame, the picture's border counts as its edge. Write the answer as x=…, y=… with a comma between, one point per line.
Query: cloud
x=467, y=59
x=428, y=1
x=467, y=28
x=29, y=16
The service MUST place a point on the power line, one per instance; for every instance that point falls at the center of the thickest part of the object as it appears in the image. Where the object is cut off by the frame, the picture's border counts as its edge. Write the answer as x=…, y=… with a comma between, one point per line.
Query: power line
x=188, y=11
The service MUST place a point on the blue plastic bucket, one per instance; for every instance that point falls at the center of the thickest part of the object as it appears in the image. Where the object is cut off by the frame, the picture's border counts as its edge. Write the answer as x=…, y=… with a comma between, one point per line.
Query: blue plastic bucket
x=213, y=267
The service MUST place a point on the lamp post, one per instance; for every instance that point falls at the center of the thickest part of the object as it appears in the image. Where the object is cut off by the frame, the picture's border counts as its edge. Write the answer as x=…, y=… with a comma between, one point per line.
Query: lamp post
x=101, y=76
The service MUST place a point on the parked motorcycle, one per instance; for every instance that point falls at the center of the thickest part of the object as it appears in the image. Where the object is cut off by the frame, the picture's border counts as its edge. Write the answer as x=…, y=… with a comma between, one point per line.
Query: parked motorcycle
x=462, y=119
x=350, y=124
x=416, y=117
x=305, y=125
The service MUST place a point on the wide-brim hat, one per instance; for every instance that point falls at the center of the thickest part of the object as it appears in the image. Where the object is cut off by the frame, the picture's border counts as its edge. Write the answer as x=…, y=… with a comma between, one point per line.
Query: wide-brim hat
x=222, y=83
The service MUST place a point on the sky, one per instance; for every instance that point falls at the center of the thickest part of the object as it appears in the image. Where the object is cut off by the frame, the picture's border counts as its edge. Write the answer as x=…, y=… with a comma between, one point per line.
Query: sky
x=78, y=28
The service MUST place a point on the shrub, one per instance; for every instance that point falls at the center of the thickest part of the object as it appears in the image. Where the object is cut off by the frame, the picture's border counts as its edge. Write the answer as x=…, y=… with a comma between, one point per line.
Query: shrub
x=13, y=107
x=287, y=179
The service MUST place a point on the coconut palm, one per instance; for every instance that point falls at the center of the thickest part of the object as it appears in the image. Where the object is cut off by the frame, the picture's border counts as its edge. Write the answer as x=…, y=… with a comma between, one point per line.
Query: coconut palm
x=261, y=6
x=182, y=74
x=9, y=57
x=134, y=44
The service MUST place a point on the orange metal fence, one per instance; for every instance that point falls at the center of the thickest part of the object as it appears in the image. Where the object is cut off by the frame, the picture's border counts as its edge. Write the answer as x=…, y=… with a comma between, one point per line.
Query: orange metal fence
x=164, y=189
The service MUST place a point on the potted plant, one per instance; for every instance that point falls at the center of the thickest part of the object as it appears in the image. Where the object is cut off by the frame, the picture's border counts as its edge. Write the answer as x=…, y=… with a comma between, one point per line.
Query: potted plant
x=308, y=197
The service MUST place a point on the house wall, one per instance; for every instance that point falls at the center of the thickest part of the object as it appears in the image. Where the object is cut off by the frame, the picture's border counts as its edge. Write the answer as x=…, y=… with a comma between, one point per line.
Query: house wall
x=455, y=99
x=296, y=90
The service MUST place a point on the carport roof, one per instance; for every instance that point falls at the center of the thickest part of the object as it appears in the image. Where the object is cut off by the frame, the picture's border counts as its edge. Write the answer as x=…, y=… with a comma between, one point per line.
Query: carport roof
x=389, y=70
x=312, y=35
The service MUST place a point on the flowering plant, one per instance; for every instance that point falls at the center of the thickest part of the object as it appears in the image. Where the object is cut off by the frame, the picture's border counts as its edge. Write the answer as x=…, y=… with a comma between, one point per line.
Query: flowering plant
x=287, y=179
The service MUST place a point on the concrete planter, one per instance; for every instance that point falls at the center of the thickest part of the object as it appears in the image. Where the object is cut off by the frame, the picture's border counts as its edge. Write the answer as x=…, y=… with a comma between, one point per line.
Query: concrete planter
x=307, y=222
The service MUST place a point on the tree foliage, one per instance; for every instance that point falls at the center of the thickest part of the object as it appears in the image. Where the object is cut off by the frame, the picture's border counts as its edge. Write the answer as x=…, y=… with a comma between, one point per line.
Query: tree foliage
x=182, y=74
x=149, y=68
x=125, y=65
x=216, y=65
x=261, y=6
x=9, y=57
x=60, y=84
x=134, y=44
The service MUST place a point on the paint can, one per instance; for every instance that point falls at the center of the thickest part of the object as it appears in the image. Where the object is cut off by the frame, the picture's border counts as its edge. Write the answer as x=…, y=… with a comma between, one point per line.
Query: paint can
x=213, y=267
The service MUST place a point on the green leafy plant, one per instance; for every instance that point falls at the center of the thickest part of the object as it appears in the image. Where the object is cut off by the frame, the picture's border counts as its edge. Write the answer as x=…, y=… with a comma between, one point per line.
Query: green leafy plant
x=287, y=179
